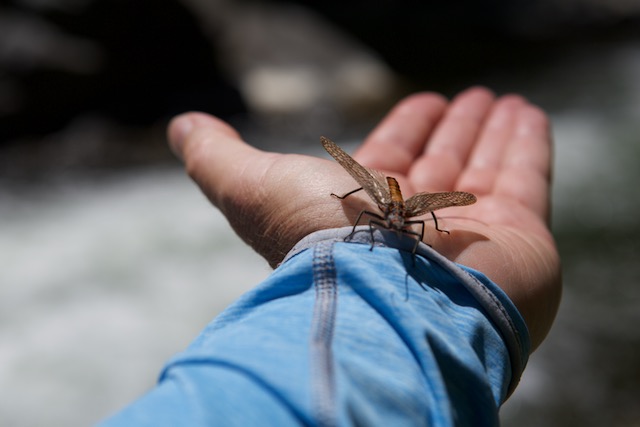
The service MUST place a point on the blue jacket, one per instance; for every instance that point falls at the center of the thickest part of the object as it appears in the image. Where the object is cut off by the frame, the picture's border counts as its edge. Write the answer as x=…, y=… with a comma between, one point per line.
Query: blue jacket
x=342, y=335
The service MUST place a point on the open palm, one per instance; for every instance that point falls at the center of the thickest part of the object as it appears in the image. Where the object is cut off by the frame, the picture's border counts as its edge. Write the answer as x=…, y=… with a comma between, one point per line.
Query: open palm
x=498, y=149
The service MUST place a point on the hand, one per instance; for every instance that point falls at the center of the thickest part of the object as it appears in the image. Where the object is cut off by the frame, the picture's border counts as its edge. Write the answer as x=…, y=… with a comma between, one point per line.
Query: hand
x=498, y=149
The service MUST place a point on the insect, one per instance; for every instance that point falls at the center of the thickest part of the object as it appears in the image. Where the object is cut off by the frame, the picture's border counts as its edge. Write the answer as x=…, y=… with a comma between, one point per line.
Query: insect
x=385, y=191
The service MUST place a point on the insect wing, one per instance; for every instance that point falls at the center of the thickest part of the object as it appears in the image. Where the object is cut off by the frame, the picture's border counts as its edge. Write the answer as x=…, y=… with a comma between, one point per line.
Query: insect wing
x=371, y=181
x=421, y=203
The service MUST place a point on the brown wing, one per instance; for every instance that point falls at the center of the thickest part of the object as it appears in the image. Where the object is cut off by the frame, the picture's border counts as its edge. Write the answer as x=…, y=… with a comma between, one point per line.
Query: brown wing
x=421, y=203
x=372, y=182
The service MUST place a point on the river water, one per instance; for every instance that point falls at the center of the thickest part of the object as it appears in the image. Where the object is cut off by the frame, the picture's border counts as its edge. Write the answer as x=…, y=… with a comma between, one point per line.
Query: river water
x=102, y=282
x=104, y=278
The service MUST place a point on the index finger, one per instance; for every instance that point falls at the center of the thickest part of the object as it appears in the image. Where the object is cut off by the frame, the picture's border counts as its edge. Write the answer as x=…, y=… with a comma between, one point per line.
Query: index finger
x=401, y=136
x=447, y=152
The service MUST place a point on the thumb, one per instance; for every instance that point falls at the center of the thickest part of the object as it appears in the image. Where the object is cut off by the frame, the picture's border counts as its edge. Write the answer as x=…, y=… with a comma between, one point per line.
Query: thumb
x=213, y=152
x=182, y=126
x=234, y=176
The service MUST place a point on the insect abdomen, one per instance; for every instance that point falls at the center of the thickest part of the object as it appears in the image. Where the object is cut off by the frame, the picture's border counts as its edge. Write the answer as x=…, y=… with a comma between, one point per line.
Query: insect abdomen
x=394, y=212
x=394, y=190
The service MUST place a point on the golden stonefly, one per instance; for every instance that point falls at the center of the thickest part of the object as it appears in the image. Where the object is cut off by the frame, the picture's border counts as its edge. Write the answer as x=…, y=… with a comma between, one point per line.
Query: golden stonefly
x=385, y=191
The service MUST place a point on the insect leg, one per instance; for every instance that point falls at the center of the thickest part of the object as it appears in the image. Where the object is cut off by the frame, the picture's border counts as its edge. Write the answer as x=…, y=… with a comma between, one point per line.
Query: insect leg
x=355, y=224
x=435, y=221
x=418, y=221
x=373, y=222
x=344, y=196
x=415, y=233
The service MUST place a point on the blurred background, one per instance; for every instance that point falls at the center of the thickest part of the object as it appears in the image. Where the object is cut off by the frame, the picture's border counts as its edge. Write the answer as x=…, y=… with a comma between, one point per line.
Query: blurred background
x=111, y=261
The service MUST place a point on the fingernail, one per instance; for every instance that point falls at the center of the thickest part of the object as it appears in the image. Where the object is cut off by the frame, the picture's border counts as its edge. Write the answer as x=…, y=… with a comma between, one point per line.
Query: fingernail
x=179, y=129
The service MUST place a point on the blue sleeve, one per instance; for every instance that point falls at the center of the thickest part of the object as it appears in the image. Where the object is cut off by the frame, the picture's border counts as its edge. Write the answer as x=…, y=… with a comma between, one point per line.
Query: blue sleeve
x=343, y=335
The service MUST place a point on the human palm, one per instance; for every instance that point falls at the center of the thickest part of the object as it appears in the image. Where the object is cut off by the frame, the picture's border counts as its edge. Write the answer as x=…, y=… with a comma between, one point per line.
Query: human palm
x=498, y=149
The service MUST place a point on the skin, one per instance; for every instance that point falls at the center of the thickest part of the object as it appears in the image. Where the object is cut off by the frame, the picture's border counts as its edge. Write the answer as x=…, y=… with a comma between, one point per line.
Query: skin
x=498, y=148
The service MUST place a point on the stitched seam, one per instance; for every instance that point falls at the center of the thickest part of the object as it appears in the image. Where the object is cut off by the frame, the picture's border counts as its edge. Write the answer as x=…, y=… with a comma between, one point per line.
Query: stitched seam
x=497, y=304
x=517, y=362
x=322, y=330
